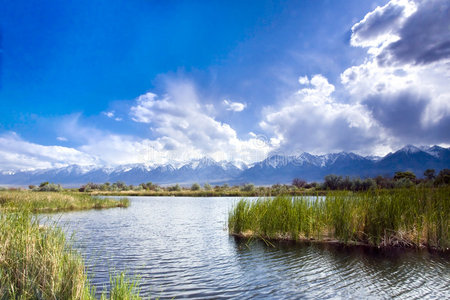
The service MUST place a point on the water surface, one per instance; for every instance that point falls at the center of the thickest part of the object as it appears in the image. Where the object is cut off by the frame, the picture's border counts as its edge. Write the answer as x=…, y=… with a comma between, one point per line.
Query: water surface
x=180, y=248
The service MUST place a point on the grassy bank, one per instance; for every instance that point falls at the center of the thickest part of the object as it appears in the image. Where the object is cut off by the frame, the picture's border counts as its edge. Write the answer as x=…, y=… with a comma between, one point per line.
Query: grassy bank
x=415, y=217
x=55, y=201
x=37, y=262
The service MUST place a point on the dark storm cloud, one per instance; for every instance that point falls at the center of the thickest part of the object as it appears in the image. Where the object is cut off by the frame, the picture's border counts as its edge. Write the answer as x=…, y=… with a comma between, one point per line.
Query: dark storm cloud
x=402, y=115
x=378, y=22
x=424, y=37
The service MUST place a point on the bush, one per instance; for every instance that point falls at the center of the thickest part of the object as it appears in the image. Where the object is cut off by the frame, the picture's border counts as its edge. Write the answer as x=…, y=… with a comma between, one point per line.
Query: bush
x=443, y=177
x=408, y=175
x=49, y=187
x=174, y=188
x=195, y=187
x=299, y=183
x=249, y=187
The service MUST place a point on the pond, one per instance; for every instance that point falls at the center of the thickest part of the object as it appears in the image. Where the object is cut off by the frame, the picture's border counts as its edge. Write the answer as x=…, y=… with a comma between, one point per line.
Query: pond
x=180, y=247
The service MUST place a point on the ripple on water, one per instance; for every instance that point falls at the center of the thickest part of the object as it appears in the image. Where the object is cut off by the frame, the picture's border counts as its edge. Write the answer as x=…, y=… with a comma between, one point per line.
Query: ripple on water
x=179, y=248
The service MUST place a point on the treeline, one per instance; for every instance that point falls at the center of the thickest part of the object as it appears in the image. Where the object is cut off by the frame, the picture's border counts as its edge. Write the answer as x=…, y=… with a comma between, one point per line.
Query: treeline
x=405, y=179
x=331, y=182
x=149, y=186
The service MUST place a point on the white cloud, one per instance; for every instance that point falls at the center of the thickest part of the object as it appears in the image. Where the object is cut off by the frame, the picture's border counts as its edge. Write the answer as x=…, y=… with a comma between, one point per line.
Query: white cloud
x=109, y=114
x=303, y=80
x=17, y=154
x=381, y=26
x=185, y=129
x=404, y=80
x=234, y=106
x=313, y=120
x=62, y=139
x=112, y=115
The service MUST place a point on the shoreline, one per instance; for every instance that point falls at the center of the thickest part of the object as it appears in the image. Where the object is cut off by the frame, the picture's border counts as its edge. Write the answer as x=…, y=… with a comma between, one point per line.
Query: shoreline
x=335, y=242
x=203, y=194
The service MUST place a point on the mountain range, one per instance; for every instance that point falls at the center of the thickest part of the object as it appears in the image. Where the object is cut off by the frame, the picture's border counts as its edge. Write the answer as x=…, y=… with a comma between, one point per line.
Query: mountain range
x=274, y=169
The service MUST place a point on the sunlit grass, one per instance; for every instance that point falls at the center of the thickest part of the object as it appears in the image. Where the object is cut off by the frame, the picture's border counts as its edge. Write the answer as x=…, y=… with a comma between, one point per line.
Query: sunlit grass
x=413, y=217
x=36, y=260
x=55, y=201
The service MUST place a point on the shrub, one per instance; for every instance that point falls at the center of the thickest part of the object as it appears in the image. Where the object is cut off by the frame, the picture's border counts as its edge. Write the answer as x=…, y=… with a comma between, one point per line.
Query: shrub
x=299, y=183
x=248, y=187
x=195, y=187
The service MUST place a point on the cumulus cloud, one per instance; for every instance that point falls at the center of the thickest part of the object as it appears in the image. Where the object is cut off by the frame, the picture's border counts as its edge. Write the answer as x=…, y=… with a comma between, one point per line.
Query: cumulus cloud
x=61, y=139
x=404, y=81
x=109, y=114
x=112, y=115
x=183, y=126
x=234, y=106
x=382, y=25
x=17, y=154
x=313, y=120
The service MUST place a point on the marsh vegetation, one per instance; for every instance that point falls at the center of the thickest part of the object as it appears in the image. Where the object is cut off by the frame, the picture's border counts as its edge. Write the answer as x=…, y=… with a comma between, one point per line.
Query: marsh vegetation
x=414, y=217
x=55, y=201
x=36, y=259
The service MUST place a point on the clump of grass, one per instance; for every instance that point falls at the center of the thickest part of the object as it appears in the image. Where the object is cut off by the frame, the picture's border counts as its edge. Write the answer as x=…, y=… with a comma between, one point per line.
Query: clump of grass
x=36, y=262
x=55, y=201
x=121, y=287
x=412, y=217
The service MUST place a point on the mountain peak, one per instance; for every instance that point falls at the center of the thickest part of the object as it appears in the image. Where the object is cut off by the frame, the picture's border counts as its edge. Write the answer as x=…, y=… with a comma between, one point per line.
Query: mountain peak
x=410, y=149
x=275, y=168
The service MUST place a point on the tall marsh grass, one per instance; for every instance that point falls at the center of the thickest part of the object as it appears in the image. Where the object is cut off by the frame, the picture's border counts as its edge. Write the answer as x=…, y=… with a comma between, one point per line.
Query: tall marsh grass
x=55, y=201
x=414, y=217
x=36, y=260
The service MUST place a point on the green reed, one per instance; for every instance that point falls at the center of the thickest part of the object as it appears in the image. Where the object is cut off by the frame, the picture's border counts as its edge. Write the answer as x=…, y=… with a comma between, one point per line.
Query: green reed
x=55, y=201
x=405, y=217
x=36, y=260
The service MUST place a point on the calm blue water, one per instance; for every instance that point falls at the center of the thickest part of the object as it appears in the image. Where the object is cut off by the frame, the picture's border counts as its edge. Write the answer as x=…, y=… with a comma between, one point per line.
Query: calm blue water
x=180, y=248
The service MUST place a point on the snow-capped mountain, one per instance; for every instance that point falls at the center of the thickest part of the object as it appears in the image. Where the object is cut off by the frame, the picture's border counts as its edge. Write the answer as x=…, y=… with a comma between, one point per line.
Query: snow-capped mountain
x=274, y=169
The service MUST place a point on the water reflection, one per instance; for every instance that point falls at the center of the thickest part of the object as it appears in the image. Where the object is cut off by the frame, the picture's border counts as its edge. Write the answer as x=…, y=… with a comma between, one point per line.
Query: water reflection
x=180, y=248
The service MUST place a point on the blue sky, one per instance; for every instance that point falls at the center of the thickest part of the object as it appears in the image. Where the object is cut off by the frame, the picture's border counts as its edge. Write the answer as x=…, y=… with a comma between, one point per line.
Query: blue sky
x=111, y=82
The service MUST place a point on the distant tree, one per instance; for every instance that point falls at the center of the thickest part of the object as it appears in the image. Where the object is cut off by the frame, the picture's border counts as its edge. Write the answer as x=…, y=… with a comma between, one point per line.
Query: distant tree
x=403, y=183
x=50, y=187
x=84, y=188
x=299, y=183
x=195, y=187
x=138, y=188
x=43, y=184
x=332, y=182
x=105, y=186
x=31, y=186
x=121, y=186
x=345, y=184
x=149, y=186
x=174, y=188
x=443, y=177
x=225, y=186
x=369, y=184
x=248, y=187
x=384, y=182
x=430, y=174
x=407, y=174
x=311, y=185
x=357, y=185
x=207, y=187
